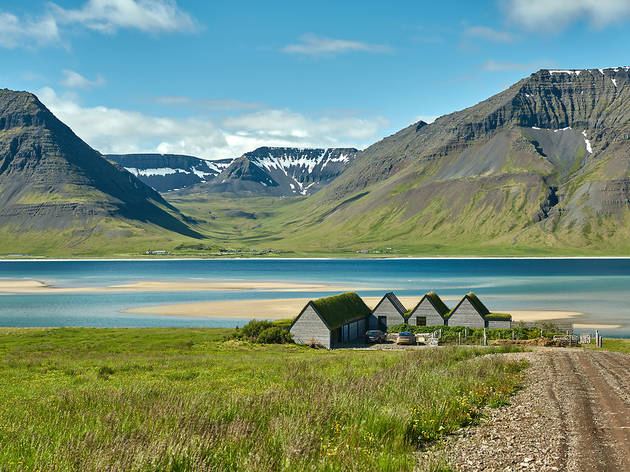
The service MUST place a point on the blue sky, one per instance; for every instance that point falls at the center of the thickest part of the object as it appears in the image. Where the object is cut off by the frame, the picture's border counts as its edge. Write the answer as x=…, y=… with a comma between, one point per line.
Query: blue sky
x=216, y=79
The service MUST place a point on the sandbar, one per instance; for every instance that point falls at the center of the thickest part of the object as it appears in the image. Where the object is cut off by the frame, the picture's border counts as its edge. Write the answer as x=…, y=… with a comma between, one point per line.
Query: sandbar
x=596, y=326
x=540, y=315
x=272, y=309
x=285, y=308
x=35, y=286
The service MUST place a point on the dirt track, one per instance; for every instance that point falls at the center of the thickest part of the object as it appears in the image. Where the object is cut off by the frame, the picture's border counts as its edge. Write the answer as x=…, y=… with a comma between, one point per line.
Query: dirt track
x=573, y=415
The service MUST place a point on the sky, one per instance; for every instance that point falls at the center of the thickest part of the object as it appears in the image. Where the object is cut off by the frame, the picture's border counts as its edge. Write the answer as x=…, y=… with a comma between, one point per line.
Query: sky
x=215, y=79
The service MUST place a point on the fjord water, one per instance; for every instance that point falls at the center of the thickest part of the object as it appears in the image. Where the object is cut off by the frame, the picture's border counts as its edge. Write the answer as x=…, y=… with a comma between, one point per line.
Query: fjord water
x=599, y=288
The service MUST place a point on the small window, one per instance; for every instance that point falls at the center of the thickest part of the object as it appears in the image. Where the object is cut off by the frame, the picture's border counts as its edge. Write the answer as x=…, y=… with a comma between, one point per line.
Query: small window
x=421, y=320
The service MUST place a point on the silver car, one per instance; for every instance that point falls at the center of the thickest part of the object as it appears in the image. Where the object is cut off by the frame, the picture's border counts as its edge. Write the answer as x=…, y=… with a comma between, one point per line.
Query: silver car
x=406, y=337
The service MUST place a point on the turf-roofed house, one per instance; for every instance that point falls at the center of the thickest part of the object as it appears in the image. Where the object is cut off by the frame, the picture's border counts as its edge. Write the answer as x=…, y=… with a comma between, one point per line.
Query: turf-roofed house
x=430, y=311
x=389, y=311
x=331, y=321
x=472, y=313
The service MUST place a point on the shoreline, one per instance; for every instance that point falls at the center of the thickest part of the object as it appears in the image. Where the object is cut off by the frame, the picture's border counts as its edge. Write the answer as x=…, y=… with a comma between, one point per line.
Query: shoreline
x=323, y=258
x=288, y=308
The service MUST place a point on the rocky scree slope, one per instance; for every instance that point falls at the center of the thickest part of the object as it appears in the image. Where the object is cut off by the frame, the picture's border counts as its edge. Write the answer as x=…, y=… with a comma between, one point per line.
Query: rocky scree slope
x=280, y=171
x=51, y=180
x=544, y=163
x=167, y=172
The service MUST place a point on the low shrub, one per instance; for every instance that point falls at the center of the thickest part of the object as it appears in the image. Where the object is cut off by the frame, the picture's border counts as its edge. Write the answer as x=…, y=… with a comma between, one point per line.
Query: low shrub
x=261, y=331
x=274, y=335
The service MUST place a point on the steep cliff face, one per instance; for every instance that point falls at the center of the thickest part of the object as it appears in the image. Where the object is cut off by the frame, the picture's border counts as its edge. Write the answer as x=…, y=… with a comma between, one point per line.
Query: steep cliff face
x=167, y=172
x=596, y=100
x=51, y=179
x=546, y=161
x=281, y=171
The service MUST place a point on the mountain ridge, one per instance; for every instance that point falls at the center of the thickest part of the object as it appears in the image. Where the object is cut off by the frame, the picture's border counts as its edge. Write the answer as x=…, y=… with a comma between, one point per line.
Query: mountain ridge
x=168, y=172
x=281, y=171
x=51, y=179
x=546, y=161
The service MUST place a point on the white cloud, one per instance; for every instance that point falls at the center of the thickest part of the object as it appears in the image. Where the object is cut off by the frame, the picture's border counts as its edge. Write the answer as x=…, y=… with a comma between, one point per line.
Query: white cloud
x=112, y=130
x=106, y=16
x=220, y=104
x=314, y=45
x=489, y=34
x=72, y=79
x=502, y=66
x=301, y=130
x=558, y=14
x=111, y=15
x=16, y=32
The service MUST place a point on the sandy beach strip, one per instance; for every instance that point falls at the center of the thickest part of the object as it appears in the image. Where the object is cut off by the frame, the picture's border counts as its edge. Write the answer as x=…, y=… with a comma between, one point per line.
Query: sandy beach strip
x=285, y=308
x=596, y=326
x=273, y=309
x=35, y=286
x=540, y=315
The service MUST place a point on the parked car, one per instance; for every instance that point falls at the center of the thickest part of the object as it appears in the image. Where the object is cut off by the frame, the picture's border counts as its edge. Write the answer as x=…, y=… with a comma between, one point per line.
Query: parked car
x=406, y=337
x=375, y=336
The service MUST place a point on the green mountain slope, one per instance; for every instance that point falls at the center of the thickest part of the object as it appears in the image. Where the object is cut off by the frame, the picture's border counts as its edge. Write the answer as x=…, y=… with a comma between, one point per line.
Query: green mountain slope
x=542, y=167
x=57, y=192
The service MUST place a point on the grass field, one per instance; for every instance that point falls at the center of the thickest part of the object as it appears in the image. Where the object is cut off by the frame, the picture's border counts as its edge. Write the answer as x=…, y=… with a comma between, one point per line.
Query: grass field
x=612, y=344
x=184, y=400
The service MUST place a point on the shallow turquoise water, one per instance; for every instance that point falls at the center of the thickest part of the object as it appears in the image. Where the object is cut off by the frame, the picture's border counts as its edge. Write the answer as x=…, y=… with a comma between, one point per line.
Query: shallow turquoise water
x=599, y=288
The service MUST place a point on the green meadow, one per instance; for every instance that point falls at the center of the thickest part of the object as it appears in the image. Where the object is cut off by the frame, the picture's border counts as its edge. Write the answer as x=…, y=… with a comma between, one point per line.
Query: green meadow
x=612, y=344
x=187, y=400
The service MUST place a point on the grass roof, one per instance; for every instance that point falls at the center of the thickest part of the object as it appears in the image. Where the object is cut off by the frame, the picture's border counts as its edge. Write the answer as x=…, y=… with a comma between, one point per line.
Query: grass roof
x=498, y=316
x=339, y=309
x=437, y=302
x=479, y=306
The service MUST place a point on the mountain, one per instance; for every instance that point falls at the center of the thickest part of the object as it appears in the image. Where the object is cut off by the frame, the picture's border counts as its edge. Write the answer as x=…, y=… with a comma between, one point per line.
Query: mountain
x=53, y=183
x=280, y=171
x=166, y=172
x=544, y=164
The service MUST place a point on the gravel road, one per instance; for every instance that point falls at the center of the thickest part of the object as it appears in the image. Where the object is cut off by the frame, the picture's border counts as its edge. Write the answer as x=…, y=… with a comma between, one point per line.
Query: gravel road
x=572, y=415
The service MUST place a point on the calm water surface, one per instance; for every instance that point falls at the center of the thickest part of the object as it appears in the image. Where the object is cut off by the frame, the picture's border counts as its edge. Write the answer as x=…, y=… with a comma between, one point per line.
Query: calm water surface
x=599, y=288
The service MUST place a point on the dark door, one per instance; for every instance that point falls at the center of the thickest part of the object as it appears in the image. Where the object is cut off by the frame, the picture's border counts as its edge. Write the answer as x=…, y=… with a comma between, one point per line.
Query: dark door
x=382, y=323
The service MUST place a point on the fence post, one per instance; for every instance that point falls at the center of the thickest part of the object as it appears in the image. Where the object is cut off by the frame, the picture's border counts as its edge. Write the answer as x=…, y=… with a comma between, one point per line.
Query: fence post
x=512, y=335
x=541, y=332
x=459, y=338
x=465, y=334
x=485, y=339
x=597, y=337
x=440, y=333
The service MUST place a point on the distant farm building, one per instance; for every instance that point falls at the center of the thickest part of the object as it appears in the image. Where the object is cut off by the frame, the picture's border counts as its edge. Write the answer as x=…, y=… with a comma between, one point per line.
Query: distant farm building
x=470, y=312
x=331, y=321
x=388, y=312
x=430, y=311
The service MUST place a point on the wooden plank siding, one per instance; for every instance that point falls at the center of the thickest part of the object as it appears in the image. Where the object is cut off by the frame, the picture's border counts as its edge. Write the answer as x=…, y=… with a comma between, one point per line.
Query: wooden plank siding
x=499, y=324
x=310, y=328
x=466, y=315
x=391, y=309
x=426, y=309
